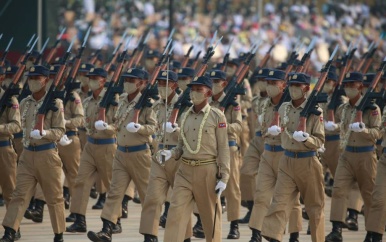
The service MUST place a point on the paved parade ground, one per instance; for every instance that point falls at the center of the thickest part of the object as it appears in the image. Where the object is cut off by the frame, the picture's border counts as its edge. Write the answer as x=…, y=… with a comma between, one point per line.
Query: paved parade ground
x=43, y=232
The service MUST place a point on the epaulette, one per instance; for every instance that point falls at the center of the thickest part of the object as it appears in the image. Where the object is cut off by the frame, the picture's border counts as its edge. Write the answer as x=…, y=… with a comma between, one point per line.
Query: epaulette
x=123, y=96
x=217, y=111
x=29, y=97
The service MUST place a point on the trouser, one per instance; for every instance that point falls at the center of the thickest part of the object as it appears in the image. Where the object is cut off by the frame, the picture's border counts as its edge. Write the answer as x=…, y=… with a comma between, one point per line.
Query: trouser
x=8, y=164
x=18, y=145
x=244, y=137
x=127, y=167
x=330, y=156
x=44, y=167
x=94, y=159
x=304, y=175
x=130, y=191
x=194, y=184
x=265, y=185
x=82, y=138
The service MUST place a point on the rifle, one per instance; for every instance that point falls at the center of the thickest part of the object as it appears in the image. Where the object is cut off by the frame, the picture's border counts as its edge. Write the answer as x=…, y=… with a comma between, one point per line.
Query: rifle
x=186, y=57
x=49, y=100
x=184, y=100
x=94, y=56
x=52, y=52
x=141, y=47
x=23, y=57
x=370, y=59
x=226, y=57
x=316, y=96
x=195, y=62
x=364, y=58
x=41, y=52
x=112, y=89
x=306, y=56
x=2, y=62
x=265, y=59
x=115, y=53
x=350, y=56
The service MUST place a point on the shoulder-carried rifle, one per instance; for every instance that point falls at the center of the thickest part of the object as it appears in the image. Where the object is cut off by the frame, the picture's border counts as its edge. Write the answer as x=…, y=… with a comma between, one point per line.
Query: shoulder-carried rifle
x=23, y=57
x=3, y=58
x=53, y=49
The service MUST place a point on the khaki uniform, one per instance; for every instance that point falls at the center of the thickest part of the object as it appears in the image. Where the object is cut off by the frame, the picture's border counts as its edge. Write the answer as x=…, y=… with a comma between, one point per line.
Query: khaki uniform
x=304, y=175
x=355, y=165
x=161, y=177
x=267, y=176
x=132, y=158
x=97, y=155
x=39, y=163
x=197, y=183
x=245, y=104
x=232, y=192
x=9, y=124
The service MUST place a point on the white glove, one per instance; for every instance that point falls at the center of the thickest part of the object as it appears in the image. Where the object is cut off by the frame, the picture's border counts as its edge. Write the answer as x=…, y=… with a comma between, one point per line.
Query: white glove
x=357, y=127
x=67, y=121
x=133, y=127
x=100, y=125
x=274, y=130
x=330, y=126
x=170, y=128
x=65, y=140
x=35, y=134
x=300, y=136
x=260, y=119
x=220, y=187
x=166, y=153
x=322, y=149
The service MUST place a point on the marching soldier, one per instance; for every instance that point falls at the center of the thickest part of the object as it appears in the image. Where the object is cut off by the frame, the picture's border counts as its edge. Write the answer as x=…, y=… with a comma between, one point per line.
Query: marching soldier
x=132, y=158
x=204, y=151
x=299, y=168
x=39, y=161
x=358, y=160
x=185, y=76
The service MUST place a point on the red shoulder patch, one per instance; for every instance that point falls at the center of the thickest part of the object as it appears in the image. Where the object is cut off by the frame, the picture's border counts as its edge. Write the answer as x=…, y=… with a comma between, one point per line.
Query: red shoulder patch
x=374, y=113
x=237, y=108
x=15, y=106
x=77, y=101
x=222, y=125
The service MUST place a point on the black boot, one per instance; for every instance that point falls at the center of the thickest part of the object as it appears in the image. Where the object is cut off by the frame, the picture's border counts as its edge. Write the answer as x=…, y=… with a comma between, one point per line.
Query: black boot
x=247, y=216
x=368, y=237
x=136, y=199
x=9, y=235
x=273, y=240
x=198, y=231
x=71, y=218
x=223, y=205
x=101, y=201
x=336, y=233
x=37, y=213
x=256, y=235
x=93, y=193
x=79, y=225
x=162, y=219
x=125, y=201
x=150, y=238
x=308, y=229
x=304, y=214
x=58, y=237
x=352, y=220
x=31, y=207
x=104, y=234
x=1, y=200
x=376, y=237
x=117, y=228
x=17, y=235
x=66, y=196
x=294, y=237
x=234, y=230
x=187, y=240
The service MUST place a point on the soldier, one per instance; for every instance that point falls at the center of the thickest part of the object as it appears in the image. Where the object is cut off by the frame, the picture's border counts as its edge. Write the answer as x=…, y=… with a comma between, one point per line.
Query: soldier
x=269, y=163
x=233, y=116
x=151, y=59
x=132, y=158
x=299, y=168
x=204, y=151
x=358, y=160
x=98, y=153
x=39, y=161
x=185, y=76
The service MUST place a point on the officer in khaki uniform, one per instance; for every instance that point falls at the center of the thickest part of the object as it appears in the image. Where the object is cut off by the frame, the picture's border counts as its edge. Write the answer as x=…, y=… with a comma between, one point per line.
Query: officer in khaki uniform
x=39, y=161
x=9, y=124
x=233, y=116
x=359, y=160
x=269, y=163
x=204, y=152
x=161, y=175
x=98, y=153
x=251, y=157
x=299, y=167
x=133, y=156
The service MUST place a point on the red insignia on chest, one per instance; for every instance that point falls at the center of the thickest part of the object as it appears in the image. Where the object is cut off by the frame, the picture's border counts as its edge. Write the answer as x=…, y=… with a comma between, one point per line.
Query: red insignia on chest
x=374, y=113
x=77, y=101
x=15, y=106
x=222, y=125
x=237, y=108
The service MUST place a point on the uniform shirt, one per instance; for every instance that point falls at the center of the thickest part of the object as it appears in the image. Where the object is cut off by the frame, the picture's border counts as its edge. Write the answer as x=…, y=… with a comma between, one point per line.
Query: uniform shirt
x=214, y=140
x=371, y=119
x=314, y=127
x=266, y=116
x=246, y=100
x=383, y=127
x=233, y=117
x=84, y=95
x=91, y=113
x=54, y=124
x=324, y=107
x=125, y=114
x=10, y=119
x=257, y=105
x=73, y=113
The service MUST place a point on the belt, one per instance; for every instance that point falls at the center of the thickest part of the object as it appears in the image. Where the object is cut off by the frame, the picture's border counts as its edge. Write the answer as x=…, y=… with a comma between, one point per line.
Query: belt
x=101, y=141
x=379, y=142
x=332, y=137
x=153, y=136
x=249, y=110
x=71, y=133
x=359, y=149
x=198, y=162
x=259, y=134
x=82, y=129
x=18, y=135
x=168, y=147
x=133, y=148
x=299, y=154
x=232, y=143
x=273, y=148
x=5, y=143
x=41, y=147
